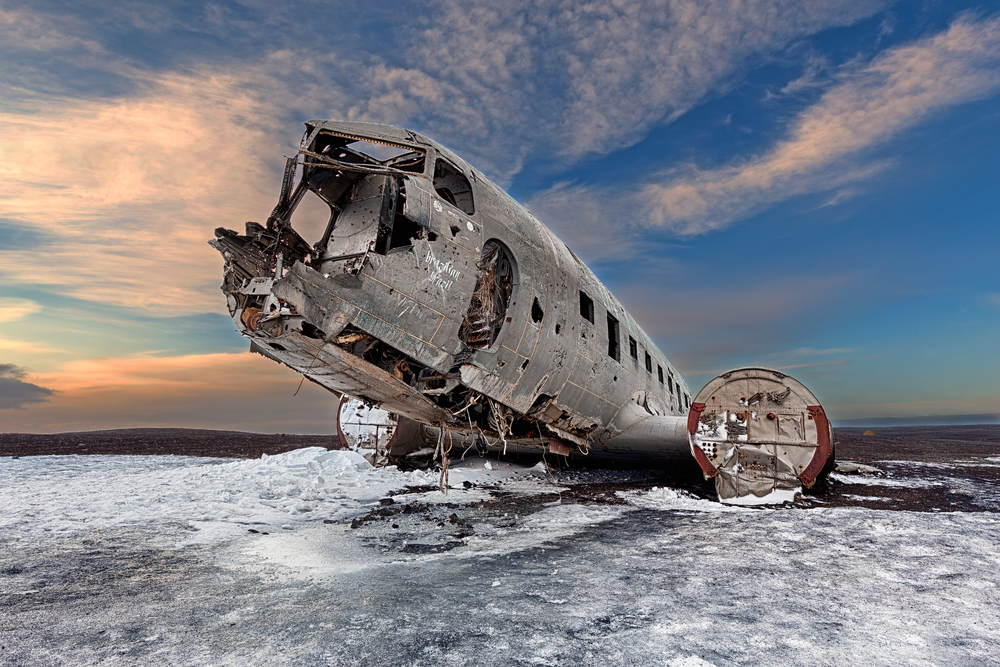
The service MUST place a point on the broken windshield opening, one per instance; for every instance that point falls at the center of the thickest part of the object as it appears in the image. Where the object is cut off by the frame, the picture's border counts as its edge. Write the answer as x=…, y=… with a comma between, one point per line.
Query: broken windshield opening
x=360, y=151
x=412, y=162
x=311, y=216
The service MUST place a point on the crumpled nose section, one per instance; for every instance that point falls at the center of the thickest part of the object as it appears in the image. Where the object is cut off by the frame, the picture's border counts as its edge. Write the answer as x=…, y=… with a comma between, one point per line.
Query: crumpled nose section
x=760, y=434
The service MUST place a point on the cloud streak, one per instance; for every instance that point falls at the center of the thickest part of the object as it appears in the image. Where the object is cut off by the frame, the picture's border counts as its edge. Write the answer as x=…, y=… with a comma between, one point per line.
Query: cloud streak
x=16, y=309
x=126, y=190
x=827, y=147
x=575, y=79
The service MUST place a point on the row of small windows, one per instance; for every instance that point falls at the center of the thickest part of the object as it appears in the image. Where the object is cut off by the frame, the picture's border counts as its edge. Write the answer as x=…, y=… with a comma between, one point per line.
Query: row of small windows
x=614, y=345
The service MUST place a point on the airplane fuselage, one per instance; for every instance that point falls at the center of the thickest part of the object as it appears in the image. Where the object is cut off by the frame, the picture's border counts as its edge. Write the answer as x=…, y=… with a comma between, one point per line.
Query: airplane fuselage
x=434, y=294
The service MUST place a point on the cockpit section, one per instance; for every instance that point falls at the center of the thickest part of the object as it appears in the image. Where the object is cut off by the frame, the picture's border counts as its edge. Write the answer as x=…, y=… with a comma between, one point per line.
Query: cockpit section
x=374, y=248
x=374, y=276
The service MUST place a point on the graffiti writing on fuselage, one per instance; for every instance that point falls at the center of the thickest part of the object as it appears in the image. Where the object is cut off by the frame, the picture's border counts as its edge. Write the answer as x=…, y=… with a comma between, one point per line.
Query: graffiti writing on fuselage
x=443, y=274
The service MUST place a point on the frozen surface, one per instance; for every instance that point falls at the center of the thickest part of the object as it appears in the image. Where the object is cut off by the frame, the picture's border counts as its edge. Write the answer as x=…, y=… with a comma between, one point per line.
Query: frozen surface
x=885, y=481
x=218, y=498
x=151, y=560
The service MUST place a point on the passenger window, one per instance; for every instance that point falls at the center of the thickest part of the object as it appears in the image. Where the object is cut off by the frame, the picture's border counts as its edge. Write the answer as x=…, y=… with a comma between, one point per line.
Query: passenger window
x=659, y=371
x=670, y=383
x=633, y=349
x=586, y=307
x=649, y=363
x=614, y=350
x=453, y=187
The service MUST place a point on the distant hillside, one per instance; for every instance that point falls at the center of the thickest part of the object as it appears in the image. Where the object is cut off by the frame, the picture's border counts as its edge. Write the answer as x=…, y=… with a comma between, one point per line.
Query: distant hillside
x=917, y=443
x=159, y=441
x=923, y=420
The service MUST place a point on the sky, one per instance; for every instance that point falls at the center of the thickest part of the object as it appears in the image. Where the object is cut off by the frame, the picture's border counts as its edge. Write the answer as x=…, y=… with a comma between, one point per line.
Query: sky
x=807, y=186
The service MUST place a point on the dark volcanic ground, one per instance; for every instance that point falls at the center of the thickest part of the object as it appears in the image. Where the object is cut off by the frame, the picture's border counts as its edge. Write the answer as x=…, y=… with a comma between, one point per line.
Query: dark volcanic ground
x=916, y=443
x=949, y=466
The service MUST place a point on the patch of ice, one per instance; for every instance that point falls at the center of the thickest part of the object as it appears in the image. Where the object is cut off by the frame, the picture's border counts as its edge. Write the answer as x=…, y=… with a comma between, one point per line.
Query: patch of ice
x=776, y=497
x=920, y=464
x=218, y=498
x=550, y=524
x=858, y=468
x=885, y=481
x=664, y=498
x=690, y=661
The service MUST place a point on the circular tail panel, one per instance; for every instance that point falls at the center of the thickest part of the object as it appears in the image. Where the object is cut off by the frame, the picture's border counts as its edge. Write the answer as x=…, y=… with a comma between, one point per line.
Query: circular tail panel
x=760, y=434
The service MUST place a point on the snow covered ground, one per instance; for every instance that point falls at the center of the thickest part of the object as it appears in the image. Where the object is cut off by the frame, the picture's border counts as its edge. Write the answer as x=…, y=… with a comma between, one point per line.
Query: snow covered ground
x=176, y=560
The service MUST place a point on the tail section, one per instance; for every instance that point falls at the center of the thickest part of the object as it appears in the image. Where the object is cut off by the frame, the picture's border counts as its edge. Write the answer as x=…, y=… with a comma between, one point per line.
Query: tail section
x=761, y=435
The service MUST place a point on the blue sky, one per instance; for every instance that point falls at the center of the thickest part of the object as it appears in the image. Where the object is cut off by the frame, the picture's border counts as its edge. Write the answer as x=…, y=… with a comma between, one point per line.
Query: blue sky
x=805, y=186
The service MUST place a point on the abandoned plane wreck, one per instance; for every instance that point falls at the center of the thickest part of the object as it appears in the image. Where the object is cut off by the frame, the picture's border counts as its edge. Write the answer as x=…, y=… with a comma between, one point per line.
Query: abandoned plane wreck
x=433, y=294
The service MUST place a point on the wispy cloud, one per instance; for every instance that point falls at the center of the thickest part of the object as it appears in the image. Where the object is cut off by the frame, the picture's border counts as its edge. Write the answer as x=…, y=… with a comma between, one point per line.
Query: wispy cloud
x=827, y=147
x=802, y=366
x=45, y=32
x=14, y=309
x=126, y=190
x=572, y=79
x=28, y=347
x=815, y=75
x=832, y=362
x=594, y=231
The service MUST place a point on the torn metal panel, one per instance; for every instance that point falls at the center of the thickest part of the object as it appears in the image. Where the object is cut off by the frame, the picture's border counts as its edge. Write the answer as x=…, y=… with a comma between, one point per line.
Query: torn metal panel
x=432, y=293
x=417, y=205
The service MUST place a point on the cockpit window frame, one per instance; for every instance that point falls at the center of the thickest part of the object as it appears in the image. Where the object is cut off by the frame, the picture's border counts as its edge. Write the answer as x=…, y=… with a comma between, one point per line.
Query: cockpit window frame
x=454, y=200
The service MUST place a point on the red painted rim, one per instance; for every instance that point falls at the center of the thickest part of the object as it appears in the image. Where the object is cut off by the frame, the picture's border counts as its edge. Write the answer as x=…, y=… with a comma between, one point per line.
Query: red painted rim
x=693, y=416
x=808, y=476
